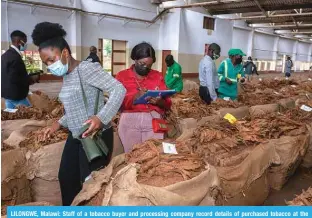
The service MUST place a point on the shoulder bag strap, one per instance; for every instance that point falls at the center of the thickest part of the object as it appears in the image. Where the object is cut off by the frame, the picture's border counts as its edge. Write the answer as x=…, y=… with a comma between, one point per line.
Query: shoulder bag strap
x=85, y=102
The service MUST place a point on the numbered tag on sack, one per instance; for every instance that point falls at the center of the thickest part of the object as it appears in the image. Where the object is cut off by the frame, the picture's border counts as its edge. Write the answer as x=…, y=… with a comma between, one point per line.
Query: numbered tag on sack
x=306, y=108
x=10, y=110
x=310, y=79
x=293, y=86
x=230, y=118
x=226, y=98
x=169, y=148
x=276, y=93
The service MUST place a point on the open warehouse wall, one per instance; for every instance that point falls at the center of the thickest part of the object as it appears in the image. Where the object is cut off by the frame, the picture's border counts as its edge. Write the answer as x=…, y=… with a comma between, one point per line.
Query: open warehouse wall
x=95, y=27
x=193, y=37
x=179, y=31
x=263, y=46
x=19, y=17
x=241, y=39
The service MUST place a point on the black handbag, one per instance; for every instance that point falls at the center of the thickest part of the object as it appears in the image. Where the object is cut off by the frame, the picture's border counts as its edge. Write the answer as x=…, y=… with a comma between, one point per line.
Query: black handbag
x=94, y=146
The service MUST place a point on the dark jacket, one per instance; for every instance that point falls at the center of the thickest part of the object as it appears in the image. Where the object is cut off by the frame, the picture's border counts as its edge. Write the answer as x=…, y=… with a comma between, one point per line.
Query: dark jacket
x=14, y=77
x=93, y=58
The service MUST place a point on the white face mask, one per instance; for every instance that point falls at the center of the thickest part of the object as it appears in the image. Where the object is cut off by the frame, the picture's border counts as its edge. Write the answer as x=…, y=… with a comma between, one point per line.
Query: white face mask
x=215, y=56
x=58, y=68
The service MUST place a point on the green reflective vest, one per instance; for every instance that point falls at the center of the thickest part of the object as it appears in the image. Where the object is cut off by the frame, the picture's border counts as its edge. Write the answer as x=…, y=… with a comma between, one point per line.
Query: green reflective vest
x=228, y=70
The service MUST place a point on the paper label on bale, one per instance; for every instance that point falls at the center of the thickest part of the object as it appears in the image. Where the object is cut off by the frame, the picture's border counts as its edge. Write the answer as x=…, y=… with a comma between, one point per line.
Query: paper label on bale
x=306, y=108
x=169, y=148
x=226, y=98
x=230, y=118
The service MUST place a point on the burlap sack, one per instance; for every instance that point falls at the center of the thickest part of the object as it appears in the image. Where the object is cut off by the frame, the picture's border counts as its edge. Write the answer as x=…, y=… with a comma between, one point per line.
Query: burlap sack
x=307, y=159
x=189, y=85
x=8, y=126
x=239, y=113
x=240, y=183
x=21, y=131
x=15, y=188
x=255, y=195
x=260, y=110
x=118, y=147
x=213, y=118
x=43, y=172
x=123, y=189
x=187, y=123
x=41, y=101
x=291, y=150
x=288, y=103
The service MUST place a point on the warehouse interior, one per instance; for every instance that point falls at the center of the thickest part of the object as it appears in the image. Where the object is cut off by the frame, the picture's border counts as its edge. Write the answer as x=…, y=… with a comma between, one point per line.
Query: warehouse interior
x=269, y=146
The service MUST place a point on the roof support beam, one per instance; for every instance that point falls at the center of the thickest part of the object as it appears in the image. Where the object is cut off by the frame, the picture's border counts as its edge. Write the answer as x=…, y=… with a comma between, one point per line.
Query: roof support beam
x=295, y=21
x=293, y=33
x=274, y=15
x=280, y=26
x=260, y=7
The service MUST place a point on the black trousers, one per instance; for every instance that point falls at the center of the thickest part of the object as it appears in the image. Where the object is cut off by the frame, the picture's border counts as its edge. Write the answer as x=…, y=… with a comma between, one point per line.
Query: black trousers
x=75, y=167
x=205, y=95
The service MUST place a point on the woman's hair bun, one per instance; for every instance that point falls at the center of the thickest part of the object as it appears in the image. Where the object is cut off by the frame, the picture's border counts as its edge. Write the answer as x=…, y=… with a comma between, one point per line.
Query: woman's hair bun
x=46, y=31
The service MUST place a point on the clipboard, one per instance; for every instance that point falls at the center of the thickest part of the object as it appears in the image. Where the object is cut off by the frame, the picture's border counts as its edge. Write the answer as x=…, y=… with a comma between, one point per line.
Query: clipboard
x=154, y=94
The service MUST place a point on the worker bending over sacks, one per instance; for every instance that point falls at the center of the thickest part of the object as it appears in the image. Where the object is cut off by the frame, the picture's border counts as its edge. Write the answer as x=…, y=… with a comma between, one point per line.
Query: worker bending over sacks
x=230, y=72
x=82, y=96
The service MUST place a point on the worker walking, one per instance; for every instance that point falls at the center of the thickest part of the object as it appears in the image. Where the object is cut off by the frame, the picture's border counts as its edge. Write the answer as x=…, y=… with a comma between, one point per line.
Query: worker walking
x=93, y=55
x=230, y=71
x=208, y=76
x=173, y=78
x=288, y=66
x=250, y=68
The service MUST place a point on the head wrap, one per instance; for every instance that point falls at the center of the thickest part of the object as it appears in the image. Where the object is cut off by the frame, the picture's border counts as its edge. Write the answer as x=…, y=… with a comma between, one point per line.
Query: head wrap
x=236, y=51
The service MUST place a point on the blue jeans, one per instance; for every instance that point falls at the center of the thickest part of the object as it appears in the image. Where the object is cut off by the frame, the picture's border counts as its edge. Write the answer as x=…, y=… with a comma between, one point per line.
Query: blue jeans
x=12, y=104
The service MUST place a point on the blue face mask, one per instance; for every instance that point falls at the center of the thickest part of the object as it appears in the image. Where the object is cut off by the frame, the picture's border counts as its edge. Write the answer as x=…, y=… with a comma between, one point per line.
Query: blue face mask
x=58, y=68
x=23, y=47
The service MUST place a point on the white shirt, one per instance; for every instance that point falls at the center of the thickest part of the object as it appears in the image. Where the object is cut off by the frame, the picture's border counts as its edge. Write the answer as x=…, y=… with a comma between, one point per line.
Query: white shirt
x=16, y=49
x=208, y=76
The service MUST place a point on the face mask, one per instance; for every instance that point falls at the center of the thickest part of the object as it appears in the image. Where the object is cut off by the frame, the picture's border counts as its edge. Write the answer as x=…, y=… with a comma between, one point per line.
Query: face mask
x=58, y=68
x=215, y=56
x=238, y=60
x=23, y=47
x=141, y=70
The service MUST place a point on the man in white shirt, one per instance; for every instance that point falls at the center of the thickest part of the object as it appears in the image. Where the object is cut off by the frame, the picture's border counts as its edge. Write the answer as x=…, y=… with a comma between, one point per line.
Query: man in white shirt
x=208, y=76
